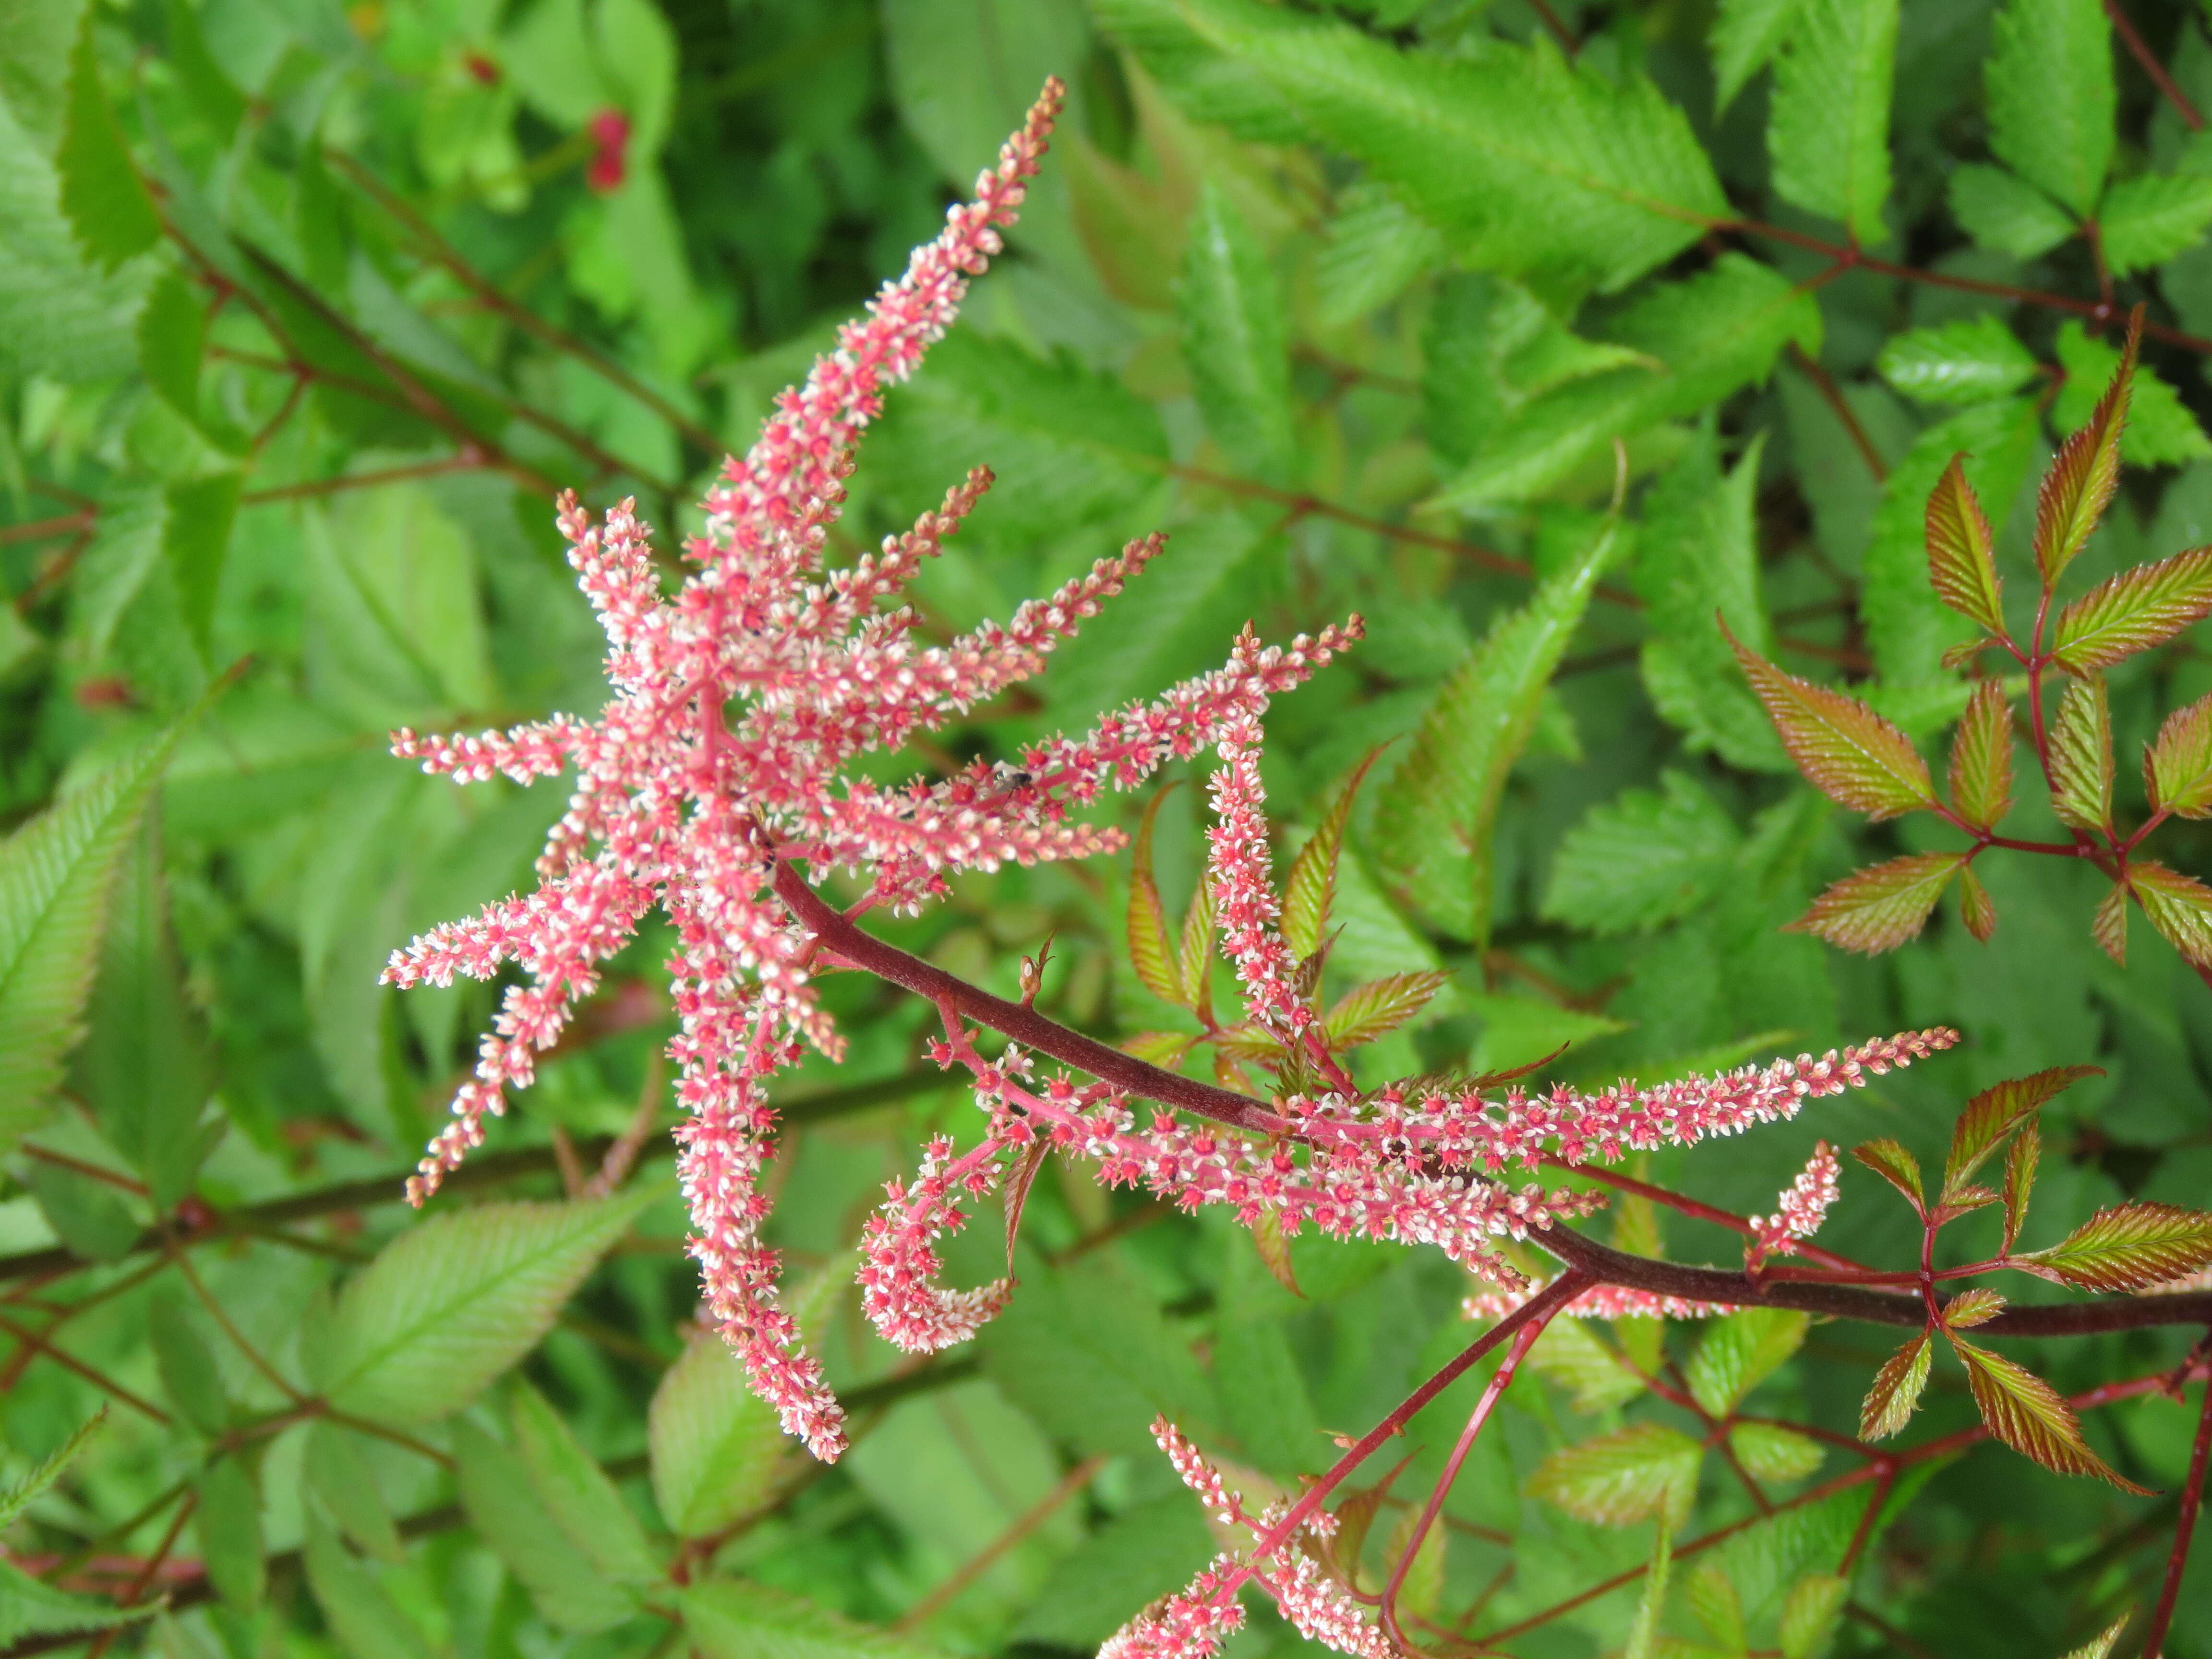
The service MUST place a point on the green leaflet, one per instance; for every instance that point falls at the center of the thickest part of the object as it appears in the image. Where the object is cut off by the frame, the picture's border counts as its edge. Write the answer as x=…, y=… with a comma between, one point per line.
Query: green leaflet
x=1532, y=166
x=2159, y=430
x=55, y=875
x=101, y=192
x=1434, y=813
x=2001, y=210
x=188, y=1370
x=20, y=1497
x=728, y=1619
x=146, y=1070
x=360, y=1613
x=1641, y=858
x=1828, y=131
x=1909, y=627
x=1236, y=341
x=2050, y=96
x=577, y=1494
x=31, y=1607
x=448, y=1305
x=1707, y=335
x=1697, y=565
x=504, y=1505
x=1745, y=34
x=58, y=317
x=228, y=1522
x=2147, y=220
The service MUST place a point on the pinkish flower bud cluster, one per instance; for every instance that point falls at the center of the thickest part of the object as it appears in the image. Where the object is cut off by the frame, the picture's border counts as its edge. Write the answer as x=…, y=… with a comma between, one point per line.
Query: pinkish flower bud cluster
x=742, y=702
x=1193, y=1622
x=1801, y=1209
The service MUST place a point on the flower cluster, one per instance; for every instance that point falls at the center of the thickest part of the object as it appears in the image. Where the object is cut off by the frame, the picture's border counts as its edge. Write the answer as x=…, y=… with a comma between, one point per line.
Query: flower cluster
x=1193, y=1622
x=1801, y=1209
x=741, y=702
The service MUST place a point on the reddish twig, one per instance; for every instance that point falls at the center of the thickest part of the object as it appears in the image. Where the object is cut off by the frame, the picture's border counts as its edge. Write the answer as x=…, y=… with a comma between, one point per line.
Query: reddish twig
x=2177, y=1561
x=2168, y=89
x=981, y=1563
x=1832, y=395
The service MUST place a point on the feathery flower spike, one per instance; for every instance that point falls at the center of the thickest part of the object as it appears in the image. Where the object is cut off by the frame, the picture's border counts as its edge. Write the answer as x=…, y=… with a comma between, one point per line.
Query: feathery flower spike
x=740, y=703
x=1801, y=1209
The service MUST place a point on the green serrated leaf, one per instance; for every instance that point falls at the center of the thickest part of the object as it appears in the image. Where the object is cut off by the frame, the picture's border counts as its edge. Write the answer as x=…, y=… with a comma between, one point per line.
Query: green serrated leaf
x=2133, y=612
x=730, y=1619
x=229, y=1521
x=2080, y=762
x=360, y=1613
x=1528, y=164
x=1381, y=1007
x=2178, y=767
x=1967, y=361
x=2127, y=1247
x=507, y=1509
x=716, y=1449
x=1971, y=1308
x=1643, y=1637
x=448, y=1306
x=2100, y=1645
x=2145, y=221
x=107, y=202
x=1811, y=1614
x=2160, y=431
x=1696, y=340
x=1977, y=910
x=1883, y=906
x=146, y=1071
x=1617, y=1480
x=577, y=1493
x=2021, y=1159
x=1150, y=954
x=1827, y=128
x=2049, y=87
x=1310, y=887
x=1981, y=758
x=1846, y=751
x=1738, y=1352
x=20, y=1497
x=187, y=1369
x=1894, y=1164
x=1577, y=1359
x=31, y=1607
x=2178, y=906
x=1643, y=859
x=2004, y=213
x=194, y=538
x=341, y=1477
x=172, y=337
x=55, y=876
x=1895, y=1396
x=1714, y=1598
x=2027, y=1414
x=1745, y=36
x=1770, y=1452
x=1697, y=557
x=1995, y=1113
x=1236, y=340
x=1433, y=826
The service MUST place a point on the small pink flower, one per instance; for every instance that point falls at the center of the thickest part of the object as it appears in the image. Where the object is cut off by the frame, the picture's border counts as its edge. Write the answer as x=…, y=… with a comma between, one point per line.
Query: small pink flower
x=609, y=164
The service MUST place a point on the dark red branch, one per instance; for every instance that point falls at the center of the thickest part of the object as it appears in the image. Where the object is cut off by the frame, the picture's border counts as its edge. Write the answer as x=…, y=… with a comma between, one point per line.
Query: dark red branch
x=2193, y=1501
x=845, y=939
x=2146, y=60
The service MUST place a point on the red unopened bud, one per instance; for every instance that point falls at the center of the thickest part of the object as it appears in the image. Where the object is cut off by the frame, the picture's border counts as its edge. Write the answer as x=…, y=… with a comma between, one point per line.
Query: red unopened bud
x=480, y=69
x=609, y=164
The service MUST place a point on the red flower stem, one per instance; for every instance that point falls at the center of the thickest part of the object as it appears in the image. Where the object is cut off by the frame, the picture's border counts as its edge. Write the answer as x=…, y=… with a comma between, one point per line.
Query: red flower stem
x=1599, y=1263
x=1538, y=1308
x=1885, y=1479
x=1702, y=1211
x=1522, y=1341
x=2146, y=60
x=2177, y=1560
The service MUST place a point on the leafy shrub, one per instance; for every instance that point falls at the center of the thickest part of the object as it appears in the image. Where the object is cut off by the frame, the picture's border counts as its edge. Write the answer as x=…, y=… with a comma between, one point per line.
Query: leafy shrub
x=1632, y=372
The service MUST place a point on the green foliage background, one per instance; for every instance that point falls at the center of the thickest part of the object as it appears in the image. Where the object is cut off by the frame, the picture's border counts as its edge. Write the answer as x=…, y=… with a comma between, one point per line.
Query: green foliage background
x=305, y=312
